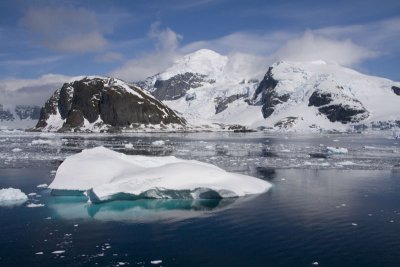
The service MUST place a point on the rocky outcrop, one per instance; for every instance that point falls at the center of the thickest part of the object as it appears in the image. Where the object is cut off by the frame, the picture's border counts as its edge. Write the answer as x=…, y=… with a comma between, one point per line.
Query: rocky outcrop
x=222, y=103
x=266, y=95
x=396, y=90
x=103, y=102
x=352, y=111
x=176, y=86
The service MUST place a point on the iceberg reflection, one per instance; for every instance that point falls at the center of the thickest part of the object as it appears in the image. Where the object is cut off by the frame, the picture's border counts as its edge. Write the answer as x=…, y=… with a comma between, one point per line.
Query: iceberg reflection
x=142, y=210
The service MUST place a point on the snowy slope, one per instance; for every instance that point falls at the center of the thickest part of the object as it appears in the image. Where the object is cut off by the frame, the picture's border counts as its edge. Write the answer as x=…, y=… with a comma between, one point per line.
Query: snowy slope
x=292, y=95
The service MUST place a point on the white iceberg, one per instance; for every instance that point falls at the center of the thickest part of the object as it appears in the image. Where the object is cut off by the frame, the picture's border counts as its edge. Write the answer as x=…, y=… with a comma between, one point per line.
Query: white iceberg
x=108, y=175
x=10, y=196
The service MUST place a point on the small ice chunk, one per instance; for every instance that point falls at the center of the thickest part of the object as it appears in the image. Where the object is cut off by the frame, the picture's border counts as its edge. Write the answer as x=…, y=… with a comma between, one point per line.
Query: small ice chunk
x=42, y=186
x=337, y=150
x=315, y=263
x=16, y=150
x=156, y=262
x=39, y=253
x=34, y=205
x=32, y=194
x=58, y=252
x=12, y=194
x=158, y=143
x=129, y=145
x=354, y=224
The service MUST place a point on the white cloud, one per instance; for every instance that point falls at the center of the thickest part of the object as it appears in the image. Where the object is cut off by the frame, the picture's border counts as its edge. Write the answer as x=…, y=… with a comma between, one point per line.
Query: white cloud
x=30, y=91
x=314, y=47
x=255, y=43
x=65, y=29
x=30, y=62
x=165, y=53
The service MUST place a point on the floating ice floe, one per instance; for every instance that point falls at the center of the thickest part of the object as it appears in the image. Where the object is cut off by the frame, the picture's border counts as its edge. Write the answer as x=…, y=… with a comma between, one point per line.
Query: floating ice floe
x=108, y=175
x=34, y=205
x=10, y=196
x=337, y=150
x=16, y=150
x=42, y=186
x=158, y=143
x=129, y=145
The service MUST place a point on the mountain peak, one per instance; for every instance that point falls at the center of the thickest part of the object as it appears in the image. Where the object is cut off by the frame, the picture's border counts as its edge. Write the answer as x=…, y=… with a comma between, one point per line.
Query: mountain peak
x=203, y=61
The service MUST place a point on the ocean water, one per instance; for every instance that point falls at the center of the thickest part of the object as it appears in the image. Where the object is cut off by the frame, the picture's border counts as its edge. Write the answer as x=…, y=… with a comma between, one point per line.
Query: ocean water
x=338, y=210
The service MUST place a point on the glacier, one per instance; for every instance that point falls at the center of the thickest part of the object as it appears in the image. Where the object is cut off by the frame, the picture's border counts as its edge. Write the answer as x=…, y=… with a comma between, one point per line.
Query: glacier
x=106, y=175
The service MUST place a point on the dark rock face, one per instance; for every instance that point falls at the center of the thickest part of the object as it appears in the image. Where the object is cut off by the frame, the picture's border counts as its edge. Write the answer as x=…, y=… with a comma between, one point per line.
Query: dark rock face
x=318, y=99
x=105, y=101
x=266, y=95
x=222, y=103
x=396, y=90
x=354, y=111
x=343, y=113
x=176, y=86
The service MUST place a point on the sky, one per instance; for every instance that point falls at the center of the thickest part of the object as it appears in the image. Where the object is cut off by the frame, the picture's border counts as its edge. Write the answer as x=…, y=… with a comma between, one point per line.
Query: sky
x=44, y=42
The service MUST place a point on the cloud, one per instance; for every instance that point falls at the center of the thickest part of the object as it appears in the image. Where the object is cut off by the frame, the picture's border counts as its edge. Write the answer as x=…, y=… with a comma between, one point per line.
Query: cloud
x=165, y=53
x=314, y=47
x=30, y=62
x=109, y=57
x=255, y=43
x=65, y=29
x=383, y=35
x=30, y=91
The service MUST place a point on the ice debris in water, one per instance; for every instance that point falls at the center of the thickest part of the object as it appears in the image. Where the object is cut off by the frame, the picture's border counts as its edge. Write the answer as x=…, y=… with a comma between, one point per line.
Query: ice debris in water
x=156, y=262
x=33, y=205
x=158, y=143
x=12, y=194
x=16, y=150
x=129, y=145
x=42, y=186
x=109, y=175
x=337, y=150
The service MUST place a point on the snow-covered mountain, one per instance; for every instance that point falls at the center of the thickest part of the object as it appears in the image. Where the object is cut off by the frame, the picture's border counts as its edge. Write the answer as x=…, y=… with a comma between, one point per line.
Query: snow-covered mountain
x=18, y=116
x=204, y=88
x=105, y=104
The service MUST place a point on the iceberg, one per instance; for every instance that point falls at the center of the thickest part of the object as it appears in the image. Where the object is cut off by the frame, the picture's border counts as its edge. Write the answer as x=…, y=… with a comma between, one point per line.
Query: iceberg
x=106, y=175
x=11, y=196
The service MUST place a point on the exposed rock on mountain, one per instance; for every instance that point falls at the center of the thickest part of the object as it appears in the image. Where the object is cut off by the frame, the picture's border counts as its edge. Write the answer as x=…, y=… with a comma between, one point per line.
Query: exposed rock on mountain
x=266, y=95
x=98, y=103
x=396, y=90
x=353, y=111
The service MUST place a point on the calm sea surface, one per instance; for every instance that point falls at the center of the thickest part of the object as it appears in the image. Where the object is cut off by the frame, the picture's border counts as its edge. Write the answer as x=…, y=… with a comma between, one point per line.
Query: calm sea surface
x=342, y=210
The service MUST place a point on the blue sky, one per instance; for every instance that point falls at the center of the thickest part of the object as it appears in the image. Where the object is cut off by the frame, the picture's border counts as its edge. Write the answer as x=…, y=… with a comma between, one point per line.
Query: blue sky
x=134, y=39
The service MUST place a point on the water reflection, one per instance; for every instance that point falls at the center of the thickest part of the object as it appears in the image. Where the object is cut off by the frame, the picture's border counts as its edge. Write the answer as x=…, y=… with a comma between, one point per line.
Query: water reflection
x=143, y=210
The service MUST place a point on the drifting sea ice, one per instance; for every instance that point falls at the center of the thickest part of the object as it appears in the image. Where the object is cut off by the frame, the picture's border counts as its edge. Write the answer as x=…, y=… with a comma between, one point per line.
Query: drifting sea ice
x=9, y=195
x=337, y=150
x=109, y=175
x=158, y=143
